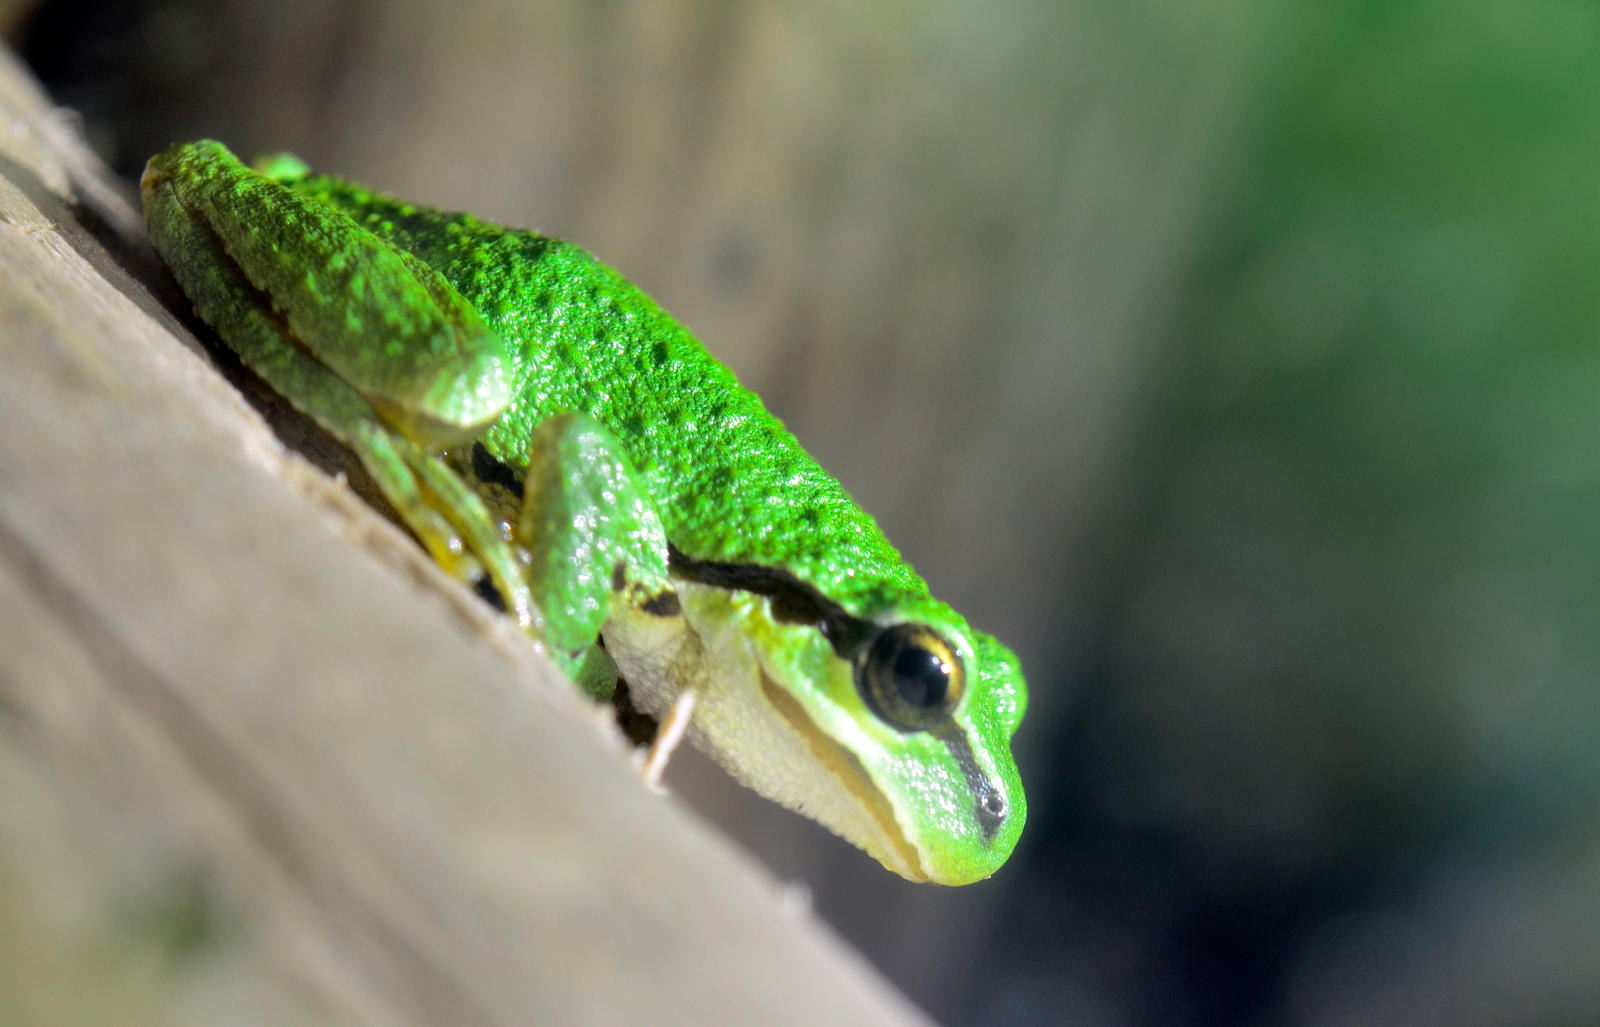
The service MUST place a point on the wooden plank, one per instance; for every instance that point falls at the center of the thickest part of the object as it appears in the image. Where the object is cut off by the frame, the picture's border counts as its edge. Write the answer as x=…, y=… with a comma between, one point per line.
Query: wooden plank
x=261, y=762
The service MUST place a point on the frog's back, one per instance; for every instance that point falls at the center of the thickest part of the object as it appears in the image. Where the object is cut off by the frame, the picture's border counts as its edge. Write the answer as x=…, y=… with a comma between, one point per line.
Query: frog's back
x=731, y=483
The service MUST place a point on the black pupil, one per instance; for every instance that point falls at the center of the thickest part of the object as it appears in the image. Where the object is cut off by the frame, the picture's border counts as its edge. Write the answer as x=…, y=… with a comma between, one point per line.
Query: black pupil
x=921, y=678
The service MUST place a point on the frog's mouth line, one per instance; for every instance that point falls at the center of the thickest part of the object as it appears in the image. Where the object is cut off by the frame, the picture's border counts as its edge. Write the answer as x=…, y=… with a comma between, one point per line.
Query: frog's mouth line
x=846, y=767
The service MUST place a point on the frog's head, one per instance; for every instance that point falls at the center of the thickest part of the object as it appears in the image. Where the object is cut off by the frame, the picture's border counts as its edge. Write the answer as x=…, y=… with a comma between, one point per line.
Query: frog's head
x=892, y=730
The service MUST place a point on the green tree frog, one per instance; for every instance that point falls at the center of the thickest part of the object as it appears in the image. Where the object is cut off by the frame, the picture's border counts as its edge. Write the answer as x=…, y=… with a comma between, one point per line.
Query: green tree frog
x=534, y=418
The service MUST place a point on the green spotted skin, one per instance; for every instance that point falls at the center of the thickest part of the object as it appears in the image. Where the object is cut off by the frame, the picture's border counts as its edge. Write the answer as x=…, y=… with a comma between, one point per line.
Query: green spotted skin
x=670, y=528
x=732, y=484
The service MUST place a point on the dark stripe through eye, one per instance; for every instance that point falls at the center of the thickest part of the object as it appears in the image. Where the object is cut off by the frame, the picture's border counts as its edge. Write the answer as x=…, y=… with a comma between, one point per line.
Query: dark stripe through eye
x=793, y=601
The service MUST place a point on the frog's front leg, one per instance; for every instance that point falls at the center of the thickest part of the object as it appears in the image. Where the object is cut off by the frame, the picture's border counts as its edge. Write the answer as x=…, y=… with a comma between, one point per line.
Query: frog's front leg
x=594, y=542
x=368, y=342
x=598, y=560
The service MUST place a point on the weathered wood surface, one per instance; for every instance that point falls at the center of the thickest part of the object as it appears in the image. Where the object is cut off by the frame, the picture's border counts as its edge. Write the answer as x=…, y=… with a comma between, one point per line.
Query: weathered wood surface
x=259, y=761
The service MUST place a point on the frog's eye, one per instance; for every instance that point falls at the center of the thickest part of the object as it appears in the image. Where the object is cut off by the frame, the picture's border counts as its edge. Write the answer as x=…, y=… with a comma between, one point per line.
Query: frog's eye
x=911, y=677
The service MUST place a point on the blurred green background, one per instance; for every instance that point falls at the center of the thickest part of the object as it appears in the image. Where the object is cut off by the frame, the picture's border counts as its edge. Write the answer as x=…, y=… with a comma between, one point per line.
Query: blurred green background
x=1237, y=363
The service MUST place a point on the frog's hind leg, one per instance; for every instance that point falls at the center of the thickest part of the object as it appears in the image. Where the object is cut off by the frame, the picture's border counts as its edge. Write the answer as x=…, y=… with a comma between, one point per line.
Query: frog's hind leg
x=449, y=519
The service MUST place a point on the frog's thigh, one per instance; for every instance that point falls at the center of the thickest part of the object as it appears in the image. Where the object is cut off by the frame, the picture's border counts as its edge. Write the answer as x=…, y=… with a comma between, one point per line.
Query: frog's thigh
x=448, y=517
x=593, y=537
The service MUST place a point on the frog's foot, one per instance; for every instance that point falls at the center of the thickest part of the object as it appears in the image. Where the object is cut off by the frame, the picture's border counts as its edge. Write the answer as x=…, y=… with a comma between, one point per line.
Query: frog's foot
x=445, y=498
x=668, y=736
x=447, y=517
